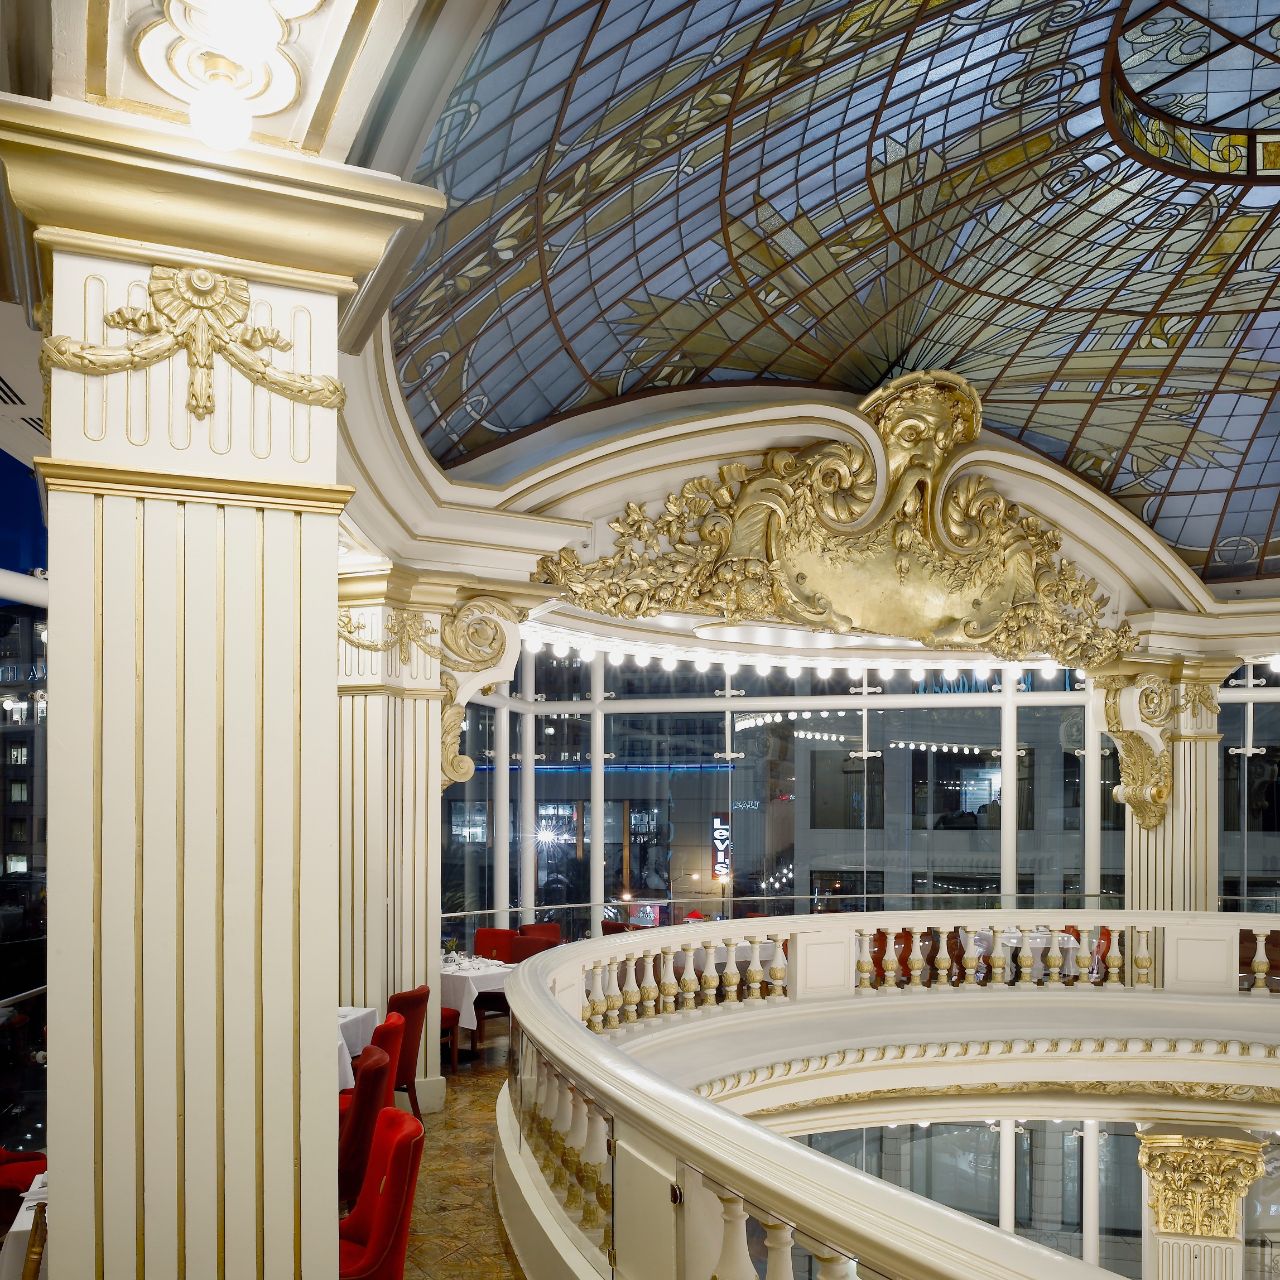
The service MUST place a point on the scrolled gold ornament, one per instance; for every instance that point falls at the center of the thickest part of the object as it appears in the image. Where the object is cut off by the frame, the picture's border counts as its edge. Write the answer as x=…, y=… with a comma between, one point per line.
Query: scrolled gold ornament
x=1197, y=1182
x=802, y=539
x=203, y=313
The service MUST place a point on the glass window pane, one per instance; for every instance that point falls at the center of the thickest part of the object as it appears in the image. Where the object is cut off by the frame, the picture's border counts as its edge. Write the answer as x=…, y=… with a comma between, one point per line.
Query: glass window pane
x=1048, y=1196
x=1050, y=817
x=566, y=679
x=562, y=789
x=1120, y=1208
x=466, y=823
x=664, y=789
x=630, y=680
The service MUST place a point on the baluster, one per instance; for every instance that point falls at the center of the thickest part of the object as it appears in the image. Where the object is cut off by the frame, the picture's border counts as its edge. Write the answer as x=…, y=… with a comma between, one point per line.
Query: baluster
x=1142, y=958
x=670, y=987
x=560, y=1132
x=755, y=974
x=688, y=979
x=604, y=1198
x=1115, y=957
x=586, y=995
x=997, y=956
x=598, y=1001
x=734, y=1262
x=971, y=955
x=548, y=1099
x=831, y=1265
x=866, y=968
x=1084, y=957
x=913, y=953
x=890, y=962
x=1053, y=960
x=594, y=1157
x=778, y=1238
x=630, y=990
x=730, y=975
x=710, y=974
x=574, y=1141
x=777, y=967
x=1261, y=964
x=648, y=987
x=612, y=997
x=1026, y=958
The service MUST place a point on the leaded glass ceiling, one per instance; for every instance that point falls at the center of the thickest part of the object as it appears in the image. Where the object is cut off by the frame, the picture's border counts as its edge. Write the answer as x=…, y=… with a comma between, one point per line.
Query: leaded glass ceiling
x=648, y=194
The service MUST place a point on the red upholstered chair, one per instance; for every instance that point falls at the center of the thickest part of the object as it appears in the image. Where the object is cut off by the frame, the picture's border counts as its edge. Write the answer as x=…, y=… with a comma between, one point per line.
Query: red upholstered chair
x=495, y=944
x=412, y=1007
x=355, y=1136
x=387, y=1036
x=373, y=1238
x=523, y=948
x=551, y=931
x=608, y=927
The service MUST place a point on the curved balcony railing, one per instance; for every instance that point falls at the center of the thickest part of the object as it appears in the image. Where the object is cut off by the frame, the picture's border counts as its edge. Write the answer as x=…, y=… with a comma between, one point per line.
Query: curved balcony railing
x=637, y=1176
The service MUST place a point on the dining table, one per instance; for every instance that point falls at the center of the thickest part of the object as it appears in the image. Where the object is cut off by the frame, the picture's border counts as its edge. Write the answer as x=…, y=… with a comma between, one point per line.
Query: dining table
x=13, y=1253
x=464, y=978
x=356, y=1025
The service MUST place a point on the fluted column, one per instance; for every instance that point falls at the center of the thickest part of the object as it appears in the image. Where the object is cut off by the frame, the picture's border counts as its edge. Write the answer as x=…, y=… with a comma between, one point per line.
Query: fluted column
x=1163, y=719
x=193, y=519
x=410, y=654
x=1197, y=1183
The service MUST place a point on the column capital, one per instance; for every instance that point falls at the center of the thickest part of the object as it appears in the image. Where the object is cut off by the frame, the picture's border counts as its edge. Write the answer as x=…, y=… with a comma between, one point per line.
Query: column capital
x=1198, y=1181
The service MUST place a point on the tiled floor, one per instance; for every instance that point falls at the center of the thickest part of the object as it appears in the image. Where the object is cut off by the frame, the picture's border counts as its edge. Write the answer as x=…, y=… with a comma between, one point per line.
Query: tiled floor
x=456, y=1230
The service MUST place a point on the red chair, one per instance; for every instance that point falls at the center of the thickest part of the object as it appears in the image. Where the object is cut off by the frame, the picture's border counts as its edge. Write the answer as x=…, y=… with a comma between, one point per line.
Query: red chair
x=355, y=1136
x=389, y=1037
x=448, y=1031
x=551, y=931
x=523, y=948
x=495, y=944
x=608, y=927
x=412, y=1007
x=373, y=1238
x=18, y=1170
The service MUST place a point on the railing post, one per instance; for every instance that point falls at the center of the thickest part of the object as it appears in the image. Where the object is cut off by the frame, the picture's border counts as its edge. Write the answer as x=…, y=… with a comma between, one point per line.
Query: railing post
x=777, y=967
x=778, y=1237
x=669, y=988
x=630, y=990
x=575, y=1140
x=1084, y=956
x=734, y=1262
x=595, y=1155
x=971, y=955
x=1142, y=958
x=1115, y=957
x=1053, y=958
x=890, y=959
x=598, y=1001
x=648, y=987
x=560, y=1132
x=914, y=956
x=688, y=979
x=612, y=997
x=866, y=967
x=1261, y=964
x=755, y=974
x=997, y=956
x=730, y=975
x=710, y=978
x=1026, y=958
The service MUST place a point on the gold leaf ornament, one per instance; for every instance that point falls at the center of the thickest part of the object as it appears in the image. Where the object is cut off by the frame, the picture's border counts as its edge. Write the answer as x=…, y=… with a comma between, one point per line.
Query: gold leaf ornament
x=204, y=313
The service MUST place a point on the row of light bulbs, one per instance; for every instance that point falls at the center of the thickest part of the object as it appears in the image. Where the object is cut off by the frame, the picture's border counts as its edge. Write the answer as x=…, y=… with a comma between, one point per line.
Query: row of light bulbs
x=945, y=747
x=561, y=645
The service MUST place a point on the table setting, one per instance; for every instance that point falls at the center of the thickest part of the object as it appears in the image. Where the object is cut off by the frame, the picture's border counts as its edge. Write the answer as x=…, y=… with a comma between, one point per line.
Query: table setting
x=463, y=977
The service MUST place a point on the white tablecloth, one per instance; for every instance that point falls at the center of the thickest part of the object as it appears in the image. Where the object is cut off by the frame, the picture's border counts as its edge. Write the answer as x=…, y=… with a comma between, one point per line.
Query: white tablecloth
x=459, y=990
x=14, y=1251
x=355, y=1030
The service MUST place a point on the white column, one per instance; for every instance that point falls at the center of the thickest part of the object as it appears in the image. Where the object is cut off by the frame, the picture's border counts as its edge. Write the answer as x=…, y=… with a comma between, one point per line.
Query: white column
x=528, y=795
x=191, y=802
x=597, y=794
x=1008, y=1173
x=1008, y=787
x=1091, y=804
x=1089, y=1191
x=502, y=811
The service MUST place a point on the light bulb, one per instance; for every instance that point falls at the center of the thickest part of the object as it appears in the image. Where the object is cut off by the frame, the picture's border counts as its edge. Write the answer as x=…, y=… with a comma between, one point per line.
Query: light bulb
x=616, y=657
x=731, y=667
x=1048, y=669
x=1273, y=664
x=886, y=670
x=982, y=671
x=823, y=671
x=917, y=672
x=587, y=652
x=763, y=666
x=668, y=662
x=855, y=670
x=220, y=117
x=950, y=671
x=560, y=648
x=794, y=669
x=701, y=664
x=533, y=644
x=642, y=658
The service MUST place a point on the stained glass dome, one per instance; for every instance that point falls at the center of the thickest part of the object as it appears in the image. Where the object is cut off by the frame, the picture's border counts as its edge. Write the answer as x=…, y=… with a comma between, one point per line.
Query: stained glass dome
x=694, y=193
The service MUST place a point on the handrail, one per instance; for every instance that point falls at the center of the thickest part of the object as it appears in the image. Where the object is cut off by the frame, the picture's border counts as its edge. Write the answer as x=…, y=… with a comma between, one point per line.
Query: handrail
x=9, y=1001
x=891, y=1230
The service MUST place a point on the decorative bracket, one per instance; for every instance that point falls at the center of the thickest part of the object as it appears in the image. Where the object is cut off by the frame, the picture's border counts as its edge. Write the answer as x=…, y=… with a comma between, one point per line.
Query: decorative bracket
x=474, y=639
x=203, y=313
x=1197, y=1183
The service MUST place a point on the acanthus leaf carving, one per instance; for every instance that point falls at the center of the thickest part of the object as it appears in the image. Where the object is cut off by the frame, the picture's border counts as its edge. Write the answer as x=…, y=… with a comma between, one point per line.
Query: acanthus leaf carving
x=203, y=313
x=1197, y=1182
x=801, y=538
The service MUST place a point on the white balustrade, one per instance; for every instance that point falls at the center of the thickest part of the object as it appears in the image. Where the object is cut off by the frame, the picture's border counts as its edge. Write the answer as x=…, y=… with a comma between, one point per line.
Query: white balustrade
x=710, y=978
x=630, y=989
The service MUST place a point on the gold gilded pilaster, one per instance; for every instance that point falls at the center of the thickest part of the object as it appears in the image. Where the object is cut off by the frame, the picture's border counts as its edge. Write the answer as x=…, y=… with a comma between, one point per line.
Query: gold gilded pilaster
x=1197, y=1183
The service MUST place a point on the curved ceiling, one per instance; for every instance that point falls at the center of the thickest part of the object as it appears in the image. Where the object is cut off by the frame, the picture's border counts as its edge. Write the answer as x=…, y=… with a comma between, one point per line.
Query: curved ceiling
x=674, y=193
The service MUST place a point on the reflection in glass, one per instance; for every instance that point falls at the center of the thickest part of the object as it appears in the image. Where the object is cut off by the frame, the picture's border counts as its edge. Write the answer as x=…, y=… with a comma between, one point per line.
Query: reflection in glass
x=1048, y=1195
x=1120, y=1208
x=1050, y=816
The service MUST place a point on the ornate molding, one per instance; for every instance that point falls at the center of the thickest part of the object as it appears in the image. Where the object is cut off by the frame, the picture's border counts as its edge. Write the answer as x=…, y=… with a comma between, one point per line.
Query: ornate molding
x=1197, y=1183
x=1105, y=1047
x=472, y=639
x=817, y=537
x=203, y=313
